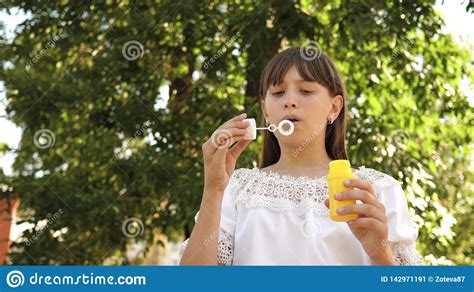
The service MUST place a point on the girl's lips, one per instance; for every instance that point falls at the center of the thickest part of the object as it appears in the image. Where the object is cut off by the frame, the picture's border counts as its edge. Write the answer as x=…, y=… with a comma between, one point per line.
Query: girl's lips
x=295, y=122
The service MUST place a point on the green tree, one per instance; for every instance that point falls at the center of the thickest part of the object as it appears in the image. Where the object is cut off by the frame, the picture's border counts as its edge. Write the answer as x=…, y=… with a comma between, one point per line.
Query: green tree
x=85, y=83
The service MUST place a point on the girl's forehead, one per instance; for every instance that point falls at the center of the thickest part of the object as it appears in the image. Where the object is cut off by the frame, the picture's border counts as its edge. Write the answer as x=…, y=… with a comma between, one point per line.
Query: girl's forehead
x=295, y=79
x=293, y=76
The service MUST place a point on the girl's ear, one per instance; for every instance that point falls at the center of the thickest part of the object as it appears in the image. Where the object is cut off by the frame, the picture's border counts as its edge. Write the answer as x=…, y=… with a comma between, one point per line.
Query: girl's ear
x=337, y=104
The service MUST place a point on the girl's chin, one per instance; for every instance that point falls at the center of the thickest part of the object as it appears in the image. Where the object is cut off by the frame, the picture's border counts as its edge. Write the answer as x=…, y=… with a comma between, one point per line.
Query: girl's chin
x=300, y=136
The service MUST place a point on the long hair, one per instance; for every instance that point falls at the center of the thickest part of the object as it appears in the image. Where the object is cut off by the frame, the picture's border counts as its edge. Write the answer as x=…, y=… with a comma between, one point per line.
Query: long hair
x=319, y=68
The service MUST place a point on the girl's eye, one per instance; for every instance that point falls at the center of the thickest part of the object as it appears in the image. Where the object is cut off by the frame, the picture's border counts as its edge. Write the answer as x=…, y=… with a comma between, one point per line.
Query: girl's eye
x=278, y=93
x=307, y=91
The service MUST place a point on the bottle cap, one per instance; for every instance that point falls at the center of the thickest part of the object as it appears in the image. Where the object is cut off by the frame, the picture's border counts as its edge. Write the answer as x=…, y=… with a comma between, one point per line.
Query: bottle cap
x=340, y=163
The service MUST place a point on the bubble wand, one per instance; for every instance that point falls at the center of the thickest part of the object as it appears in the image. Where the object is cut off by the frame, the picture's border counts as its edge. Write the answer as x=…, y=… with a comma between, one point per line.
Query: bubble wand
x=252, y=128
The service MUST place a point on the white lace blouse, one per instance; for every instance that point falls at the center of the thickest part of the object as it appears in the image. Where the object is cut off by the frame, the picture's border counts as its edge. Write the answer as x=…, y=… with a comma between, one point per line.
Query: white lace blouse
x=273, y=219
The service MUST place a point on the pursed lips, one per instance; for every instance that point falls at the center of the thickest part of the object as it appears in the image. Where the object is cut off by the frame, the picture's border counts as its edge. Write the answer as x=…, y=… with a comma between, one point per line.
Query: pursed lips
x=294, y=120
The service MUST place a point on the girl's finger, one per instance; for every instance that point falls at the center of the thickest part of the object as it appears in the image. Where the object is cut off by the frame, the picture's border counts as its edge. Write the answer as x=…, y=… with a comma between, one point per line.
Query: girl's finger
x=235, y=124
x=221, y=151
x=366, y=210
x=236, y=118
x=222, y=138
x=360, y=184
x=237, y=149
x=361, y=195
x=365, y=222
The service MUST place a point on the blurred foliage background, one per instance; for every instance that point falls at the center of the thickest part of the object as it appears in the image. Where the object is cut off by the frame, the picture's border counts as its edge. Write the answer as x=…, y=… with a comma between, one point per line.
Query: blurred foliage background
x=115, y=98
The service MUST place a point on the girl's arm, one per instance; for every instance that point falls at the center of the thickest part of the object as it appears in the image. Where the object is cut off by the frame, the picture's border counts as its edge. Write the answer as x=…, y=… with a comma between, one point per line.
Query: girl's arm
x=202, y=245
x=219, y=164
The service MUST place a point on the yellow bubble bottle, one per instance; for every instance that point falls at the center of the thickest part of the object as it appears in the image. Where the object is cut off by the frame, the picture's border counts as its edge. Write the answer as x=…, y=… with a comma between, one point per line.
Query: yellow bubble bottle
x=339, y=171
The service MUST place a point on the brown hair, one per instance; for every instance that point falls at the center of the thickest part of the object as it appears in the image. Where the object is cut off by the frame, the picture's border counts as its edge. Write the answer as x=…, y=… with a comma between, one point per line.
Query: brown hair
x=312, y=66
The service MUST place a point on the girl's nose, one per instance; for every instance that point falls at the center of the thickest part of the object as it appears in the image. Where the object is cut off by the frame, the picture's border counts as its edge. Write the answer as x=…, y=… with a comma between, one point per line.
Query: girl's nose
x=290, y=103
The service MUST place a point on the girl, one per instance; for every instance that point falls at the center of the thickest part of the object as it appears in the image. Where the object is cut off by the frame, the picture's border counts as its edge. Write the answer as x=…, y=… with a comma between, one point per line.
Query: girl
x=278, y=214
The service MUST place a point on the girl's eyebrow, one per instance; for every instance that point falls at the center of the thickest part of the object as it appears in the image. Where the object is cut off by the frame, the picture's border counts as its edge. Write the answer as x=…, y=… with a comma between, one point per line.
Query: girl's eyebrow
x=278, y=84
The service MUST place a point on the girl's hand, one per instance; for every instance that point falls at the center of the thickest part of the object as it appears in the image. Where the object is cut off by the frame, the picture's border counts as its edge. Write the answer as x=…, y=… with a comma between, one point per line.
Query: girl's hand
x=219, y=159
x=371, y=227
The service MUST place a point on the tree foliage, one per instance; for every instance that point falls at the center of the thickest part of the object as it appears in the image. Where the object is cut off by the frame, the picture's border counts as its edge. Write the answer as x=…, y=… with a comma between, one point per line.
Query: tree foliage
x=129, y=90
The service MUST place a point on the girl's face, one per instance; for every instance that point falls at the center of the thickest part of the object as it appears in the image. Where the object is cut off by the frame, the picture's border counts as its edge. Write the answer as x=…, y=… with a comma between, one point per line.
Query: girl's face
x=307, y=104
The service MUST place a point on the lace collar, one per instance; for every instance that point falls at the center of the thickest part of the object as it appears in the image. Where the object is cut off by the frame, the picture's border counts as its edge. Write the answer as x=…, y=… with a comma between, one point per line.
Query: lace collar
x=286, y=177
x=285, y=193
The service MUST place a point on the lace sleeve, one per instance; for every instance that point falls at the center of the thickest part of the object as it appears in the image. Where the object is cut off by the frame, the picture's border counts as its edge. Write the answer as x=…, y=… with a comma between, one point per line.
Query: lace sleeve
x=225, y=248
x=406, y=254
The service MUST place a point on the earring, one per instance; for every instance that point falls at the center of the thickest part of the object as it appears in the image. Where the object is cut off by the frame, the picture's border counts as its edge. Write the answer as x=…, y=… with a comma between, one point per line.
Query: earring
x=330, y=121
